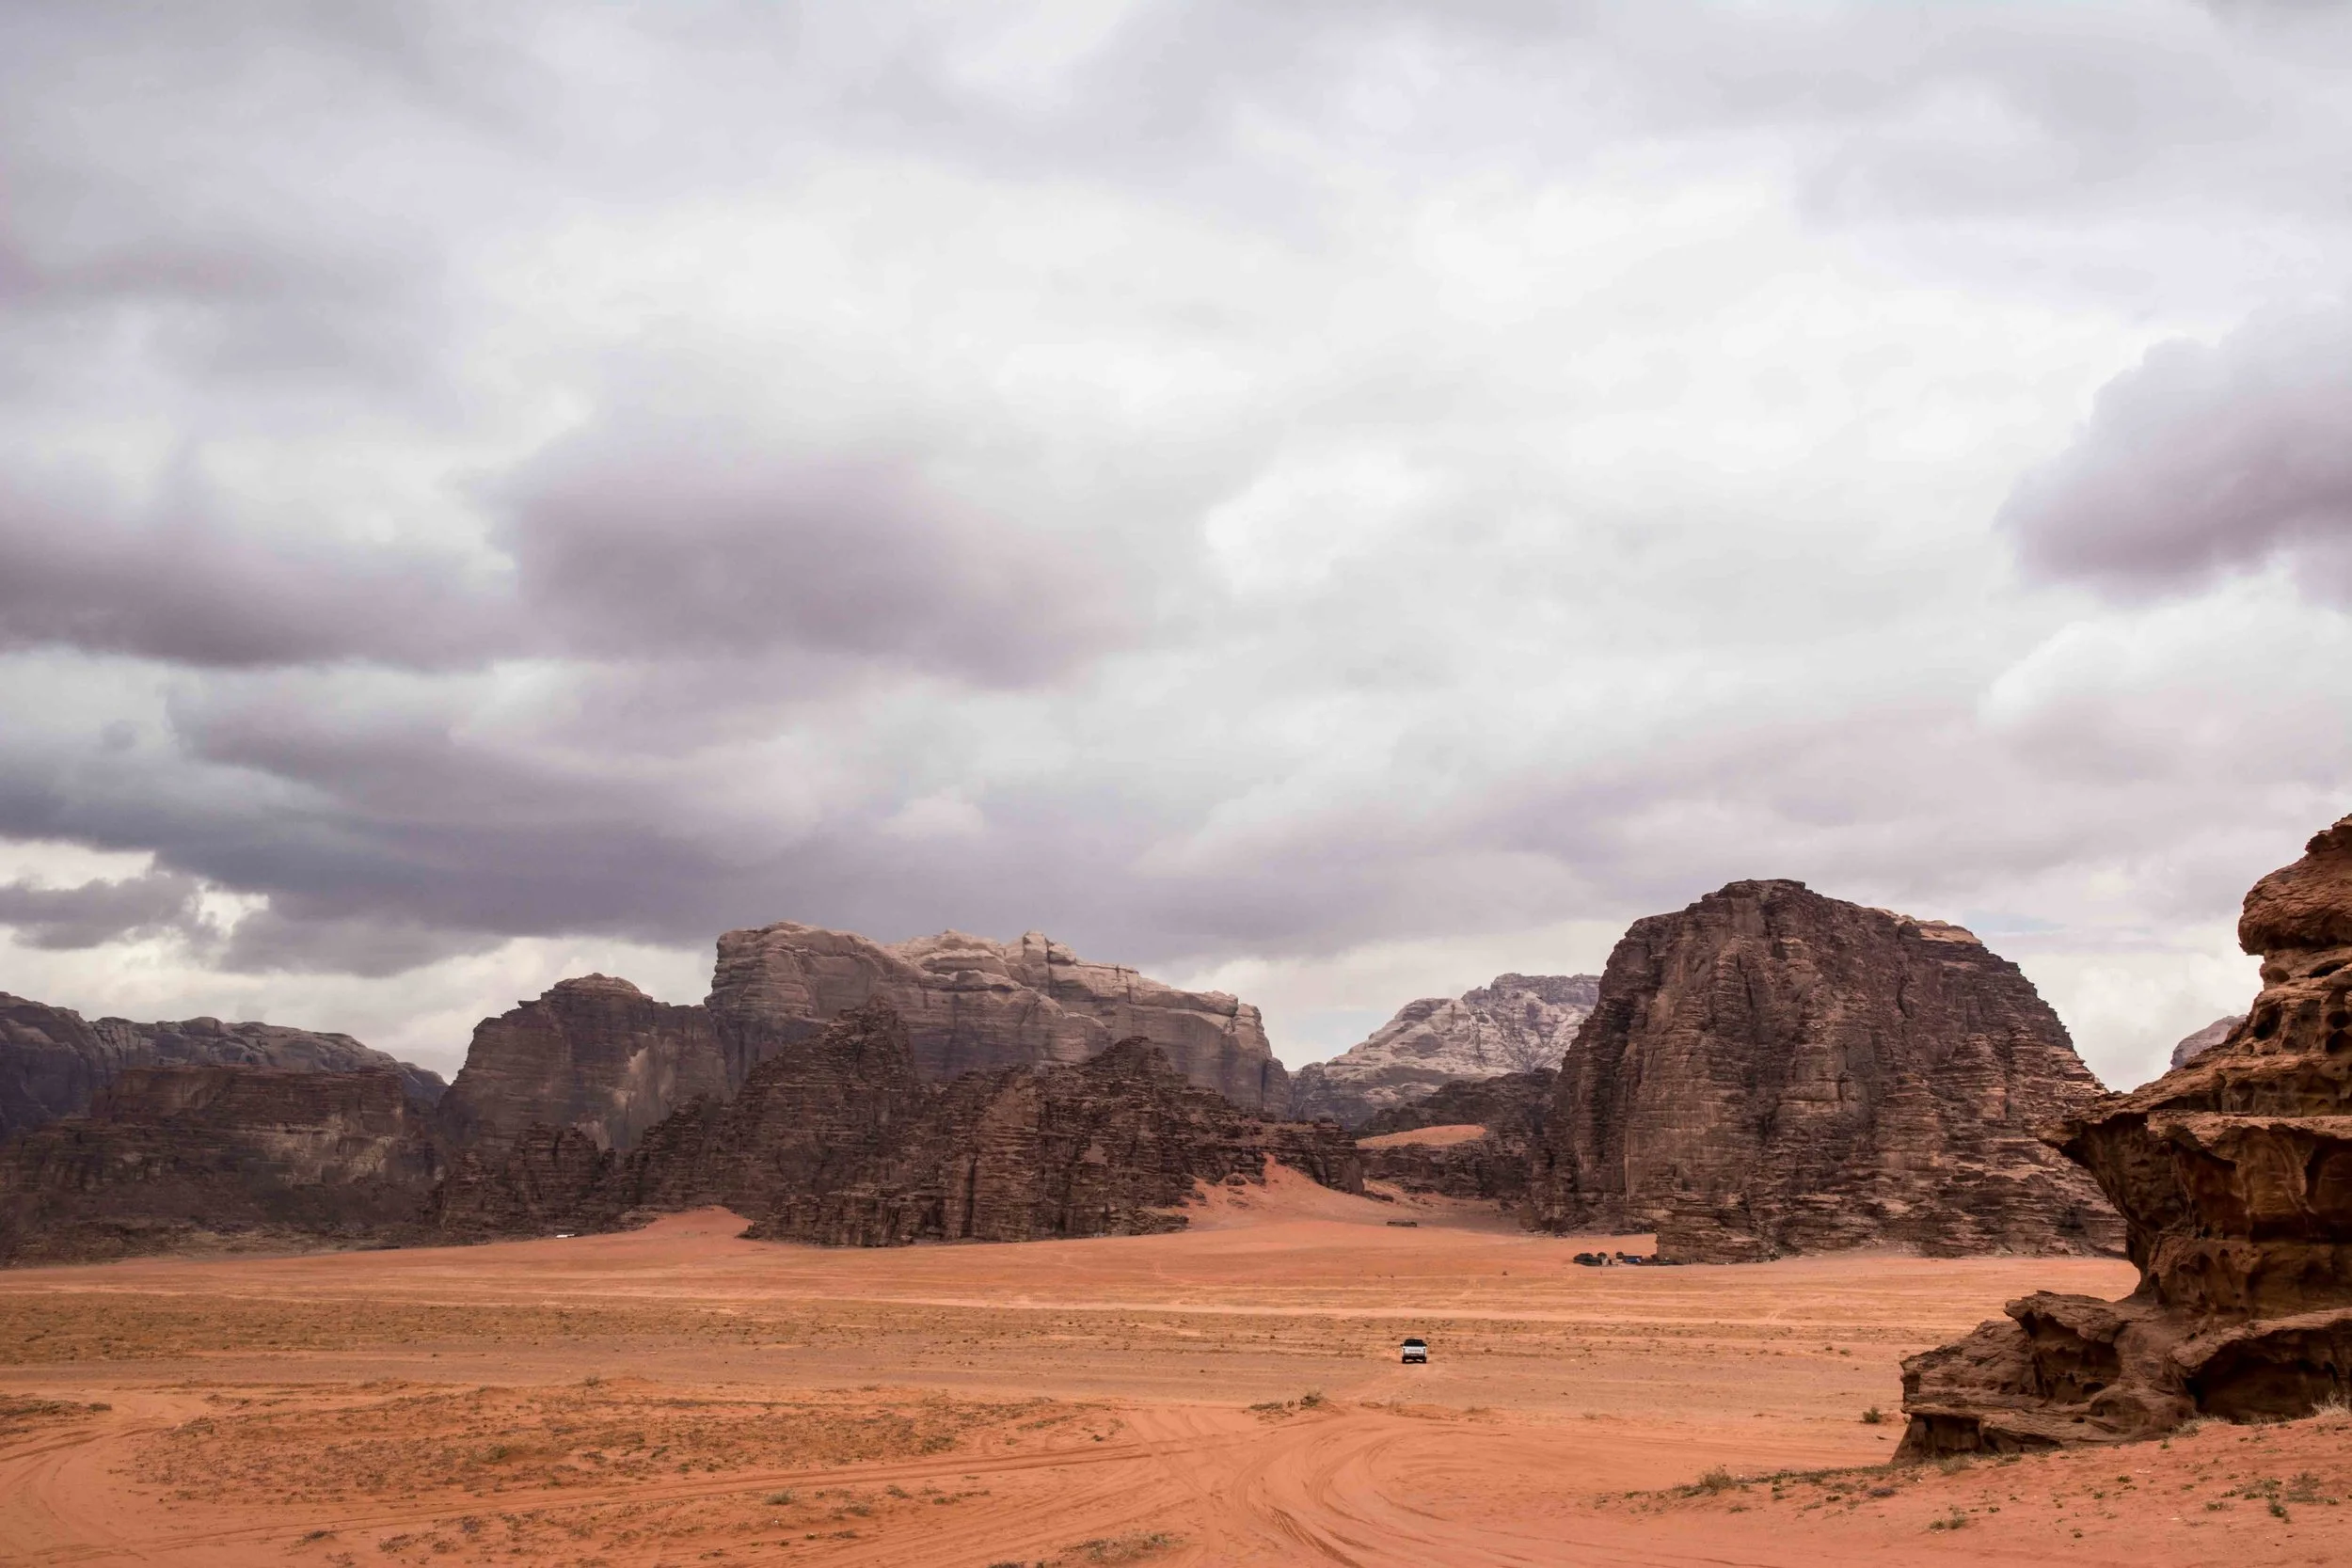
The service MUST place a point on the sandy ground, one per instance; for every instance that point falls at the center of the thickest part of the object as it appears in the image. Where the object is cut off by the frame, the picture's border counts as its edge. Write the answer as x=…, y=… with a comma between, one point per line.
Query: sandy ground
x=1440, y=1137
x=1227, y=1395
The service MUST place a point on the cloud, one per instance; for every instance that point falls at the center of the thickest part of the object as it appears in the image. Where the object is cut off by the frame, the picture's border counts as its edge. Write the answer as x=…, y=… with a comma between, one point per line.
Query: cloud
x=102, y=912
x=2205, y=460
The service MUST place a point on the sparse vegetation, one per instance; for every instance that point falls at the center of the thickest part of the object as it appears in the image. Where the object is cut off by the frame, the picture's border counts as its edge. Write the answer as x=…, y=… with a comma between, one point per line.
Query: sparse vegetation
x=1873, y=1416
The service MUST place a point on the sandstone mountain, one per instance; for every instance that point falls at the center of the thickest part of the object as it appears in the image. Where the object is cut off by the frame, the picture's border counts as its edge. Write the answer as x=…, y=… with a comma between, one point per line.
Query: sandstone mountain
x=592, y=1052
x=2234, y=1174
x=970, y=1003
x=1770, y=1070
x=173, y=1157
x=52, y=1061
x=837, y=1138
x=1518, y=1023
x=2193, y=1046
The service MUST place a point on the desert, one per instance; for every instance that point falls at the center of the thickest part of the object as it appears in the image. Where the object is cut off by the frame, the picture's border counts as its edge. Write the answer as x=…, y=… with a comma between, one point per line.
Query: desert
x=1225, y=1394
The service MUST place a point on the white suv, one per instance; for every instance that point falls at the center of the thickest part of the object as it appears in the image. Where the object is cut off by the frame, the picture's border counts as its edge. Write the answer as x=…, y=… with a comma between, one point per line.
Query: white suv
x=1416, y=1351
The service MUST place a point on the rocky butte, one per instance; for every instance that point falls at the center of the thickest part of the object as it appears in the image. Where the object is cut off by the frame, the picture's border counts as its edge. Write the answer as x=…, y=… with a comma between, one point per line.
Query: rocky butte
x=52, y=1061
x=969, y=1003
x=1770, y=1070
x=1508, y=1112
x=592, y=1052
x=1518, y=1023
x=837, y=1138
x=173, y=1157
x=2234, y=1174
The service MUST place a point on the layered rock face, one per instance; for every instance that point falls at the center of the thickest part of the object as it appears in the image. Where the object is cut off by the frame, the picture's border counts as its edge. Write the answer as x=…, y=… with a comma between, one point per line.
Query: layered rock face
x=838, y=1139
x=1770, y=1070
x=1493, y=1167
x=52, y=1061
x=592, y=1052
x=971, y=1004
x=2233, y=1175
x=173, y=1156
x=1518, y=1023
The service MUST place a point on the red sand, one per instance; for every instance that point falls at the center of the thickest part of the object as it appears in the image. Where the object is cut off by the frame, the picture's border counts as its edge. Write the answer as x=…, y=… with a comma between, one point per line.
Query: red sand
x=1227, y=1395
x=1452, y=1132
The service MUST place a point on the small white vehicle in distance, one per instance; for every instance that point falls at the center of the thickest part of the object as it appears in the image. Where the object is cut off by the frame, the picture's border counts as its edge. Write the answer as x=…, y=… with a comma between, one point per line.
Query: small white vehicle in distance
x=1416, y=1351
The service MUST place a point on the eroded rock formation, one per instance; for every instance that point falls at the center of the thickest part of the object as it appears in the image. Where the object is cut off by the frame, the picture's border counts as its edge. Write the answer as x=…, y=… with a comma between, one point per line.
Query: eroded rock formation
x=173, y=1157
x=1770, y=1070
x=971, y=1004
x=1518, y=1023
x=52, y=1061
x=592, y=1052
x=1508, y=1109
x=837, y=1138
x=2233, y=1175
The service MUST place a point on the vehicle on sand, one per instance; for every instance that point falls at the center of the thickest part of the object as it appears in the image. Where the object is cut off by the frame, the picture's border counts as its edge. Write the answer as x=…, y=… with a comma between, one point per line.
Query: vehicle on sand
x=1416, y=1351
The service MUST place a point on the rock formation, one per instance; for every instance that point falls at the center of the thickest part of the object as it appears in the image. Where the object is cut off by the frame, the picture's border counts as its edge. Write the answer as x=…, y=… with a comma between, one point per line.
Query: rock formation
x=592, y=1052
x=1770, y=1070
x=52, y=1061
x=837, y=1138
x=1493, y=1167
x=169, y=1157
x=2193, y=1046
x=971, y=1004
x=1518, y=1023
x=2234, y=1174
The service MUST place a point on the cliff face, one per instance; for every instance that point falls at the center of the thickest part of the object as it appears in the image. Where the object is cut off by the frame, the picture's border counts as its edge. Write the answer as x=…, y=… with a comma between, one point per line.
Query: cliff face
x=1518, y=1023
x=1493, y=1167
x=1770, y=1071
x=176, y=1156
x=52, y=1061
x=837, y=1138
x=2233, y=1175
x=971, y=1004
x=594, y=1053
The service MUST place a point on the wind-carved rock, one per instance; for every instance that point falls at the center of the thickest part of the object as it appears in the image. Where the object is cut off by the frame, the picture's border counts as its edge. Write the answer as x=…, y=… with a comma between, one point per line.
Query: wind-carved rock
x=1770, y=1071
x=592, y=1052
x=170, y=1156
x=972, y=1004
x=54, y=1061
x=2233, y=1175
x=1518, y=1024
x=837, y=1138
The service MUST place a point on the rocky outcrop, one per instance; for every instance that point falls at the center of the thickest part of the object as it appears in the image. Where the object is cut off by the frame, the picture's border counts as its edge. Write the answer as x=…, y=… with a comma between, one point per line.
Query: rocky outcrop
x=837, y=1138
x=1518, y=1023
x=170, y=1156
x=1492, y=1167
x=2234, y=1176
x=52, y=1061
x=595, y=1054
x=970, y=1004
x=2193, y=1046
x=1770, y=1071
x=1512, y=1105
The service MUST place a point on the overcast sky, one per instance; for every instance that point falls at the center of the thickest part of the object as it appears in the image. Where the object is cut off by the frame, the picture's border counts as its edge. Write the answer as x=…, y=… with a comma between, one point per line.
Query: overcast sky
x=1326, y=501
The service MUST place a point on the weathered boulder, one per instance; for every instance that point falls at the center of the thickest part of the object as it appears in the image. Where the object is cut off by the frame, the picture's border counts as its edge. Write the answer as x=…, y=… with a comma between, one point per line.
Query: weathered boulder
x=52, y=1061
x=1770, y=1070
x=2234, y=1176
x=170, y=1156
x=2193, y=1046
x=592, y=1052
x=971, y=1004
x=837, y=1138
x=1518, y=1023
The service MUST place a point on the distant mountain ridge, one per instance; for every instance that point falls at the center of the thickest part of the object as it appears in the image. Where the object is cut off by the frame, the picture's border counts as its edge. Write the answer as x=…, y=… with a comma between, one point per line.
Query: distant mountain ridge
x=1514, y=1023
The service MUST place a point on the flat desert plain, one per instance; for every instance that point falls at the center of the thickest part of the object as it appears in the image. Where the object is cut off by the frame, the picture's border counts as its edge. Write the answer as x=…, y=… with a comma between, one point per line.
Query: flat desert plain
x=1230, y=1394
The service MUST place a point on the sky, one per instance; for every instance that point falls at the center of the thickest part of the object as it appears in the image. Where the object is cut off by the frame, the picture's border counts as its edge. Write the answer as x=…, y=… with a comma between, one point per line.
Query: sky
x=1327, y=501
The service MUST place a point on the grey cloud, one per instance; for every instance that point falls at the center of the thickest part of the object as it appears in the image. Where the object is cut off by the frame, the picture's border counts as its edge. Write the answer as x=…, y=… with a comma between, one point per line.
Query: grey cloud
x=649, y=539
x=2204, y=461
x=102, y=912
